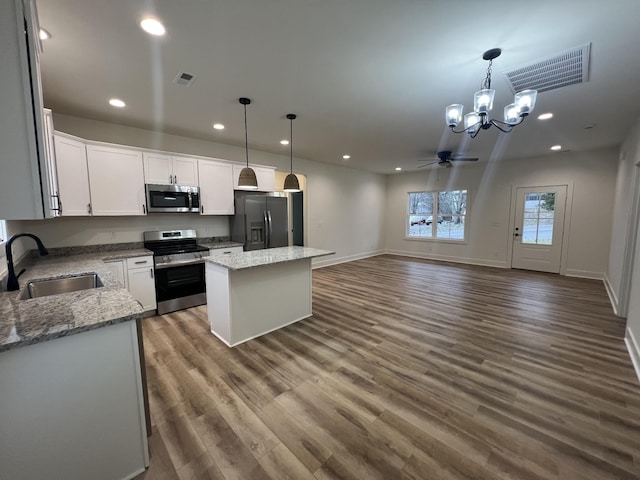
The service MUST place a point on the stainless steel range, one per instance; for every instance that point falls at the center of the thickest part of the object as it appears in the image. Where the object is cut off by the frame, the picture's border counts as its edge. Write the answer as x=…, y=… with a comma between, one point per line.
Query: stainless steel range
x=179, y=269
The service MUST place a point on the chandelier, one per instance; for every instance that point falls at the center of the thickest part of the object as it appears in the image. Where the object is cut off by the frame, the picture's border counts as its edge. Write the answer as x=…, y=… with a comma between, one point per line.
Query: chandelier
x=514, y=113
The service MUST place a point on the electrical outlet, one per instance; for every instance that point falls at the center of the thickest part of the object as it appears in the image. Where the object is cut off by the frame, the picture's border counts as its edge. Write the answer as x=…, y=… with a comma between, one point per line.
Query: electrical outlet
x=113, y=235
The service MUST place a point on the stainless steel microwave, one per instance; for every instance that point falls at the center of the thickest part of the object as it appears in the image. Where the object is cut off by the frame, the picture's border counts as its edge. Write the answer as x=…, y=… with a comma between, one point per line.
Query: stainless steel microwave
x=172, y=199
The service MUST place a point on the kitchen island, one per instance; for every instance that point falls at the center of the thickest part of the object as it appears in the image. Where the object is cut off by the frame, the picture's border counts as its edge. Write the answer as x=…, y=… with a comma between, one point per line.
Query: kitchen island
x=253, y=293
x=72, y=398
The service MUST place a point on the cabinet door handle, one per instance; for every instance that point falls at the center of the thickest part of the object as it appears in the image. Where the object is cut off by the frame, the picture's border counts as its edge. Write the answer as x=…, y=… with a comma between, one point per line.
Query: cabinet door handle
x=89, y=208
x=151, y=272
x=170, y=178
x=141, y=262
x=175, y=179
x=144, y=209
x=201, y=208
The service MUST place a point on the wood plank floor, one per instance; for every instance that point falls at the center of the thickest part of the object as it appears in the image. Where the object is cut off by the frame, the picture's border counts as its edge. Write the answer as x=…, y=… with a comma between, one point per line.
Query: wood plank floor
x=408, y=369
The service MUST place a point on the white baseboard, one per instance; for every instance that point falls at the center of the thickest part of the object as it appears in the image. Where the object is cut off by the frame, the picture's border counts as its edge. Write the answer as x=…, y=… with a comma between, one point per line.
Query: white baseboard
x=634, y=350
x=613, y=298
x=327, y=261
x=571, y=272
x=447, y=258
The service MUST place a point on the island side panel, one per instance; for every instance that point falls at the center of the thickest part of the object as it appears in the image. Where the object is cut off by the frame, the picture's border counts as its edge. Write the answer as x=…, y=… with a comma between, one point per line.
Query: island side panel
x=268, y=297
x=218, y=301
x=72, y=407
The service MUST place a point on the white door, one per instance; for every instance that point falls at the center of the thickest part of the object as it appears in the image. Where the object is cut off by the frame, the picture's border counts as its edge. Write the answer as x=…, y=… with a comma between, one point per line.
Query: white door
x=538, y=228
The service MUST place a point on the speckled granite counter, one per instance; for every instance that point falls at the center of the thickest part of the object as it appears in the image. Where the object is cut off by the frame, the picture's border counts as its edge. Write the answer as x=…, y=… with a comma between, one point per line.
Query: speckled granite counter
x=25, y=322
x=269, y=256
x=216, y=245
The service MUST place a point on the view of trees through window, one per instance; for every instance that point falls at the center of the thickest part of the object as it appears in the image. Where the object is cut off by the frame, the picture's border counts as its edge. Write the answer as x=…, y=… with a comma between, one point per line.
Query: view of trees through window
x=539, y=211
x=449, y=223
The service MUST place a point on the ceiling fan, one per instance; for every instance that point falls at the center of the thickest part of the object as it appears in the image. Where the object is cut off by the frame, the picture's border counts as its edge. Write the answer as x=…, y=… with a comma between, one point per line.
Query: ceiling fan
x=445, y=157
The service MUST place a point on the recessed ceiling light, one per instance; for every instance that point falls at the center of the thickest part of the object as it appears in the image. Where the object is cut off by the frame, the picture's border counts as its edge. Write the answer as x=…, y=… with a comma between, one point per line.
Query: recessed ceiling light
x=218, y=126
x=346, y=157
x=116, y=102
x=284, y=142
x=398, y=169
x=44, y=35
x=545, y=116
x=152, y=26
x=556, y=147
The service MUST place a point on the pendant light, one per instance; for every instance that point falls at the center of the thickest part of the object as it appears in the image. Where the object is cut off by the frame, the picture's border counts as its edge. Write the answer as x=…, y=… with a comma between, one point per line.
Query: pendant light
x=247, y=180
x=291, y=183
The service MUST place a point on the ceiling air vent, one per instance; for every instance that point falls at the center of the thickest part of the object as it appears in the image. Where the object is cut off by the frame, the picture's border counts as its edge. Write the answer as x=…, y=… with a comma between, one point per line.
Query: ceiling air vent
x=185, y=79
x=567, y=68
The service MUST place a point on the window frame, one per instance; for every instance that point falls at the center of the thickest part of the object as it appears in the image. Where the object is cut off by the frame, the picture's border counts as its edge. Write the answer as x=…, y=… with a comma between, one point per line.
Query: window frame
x=434, y=226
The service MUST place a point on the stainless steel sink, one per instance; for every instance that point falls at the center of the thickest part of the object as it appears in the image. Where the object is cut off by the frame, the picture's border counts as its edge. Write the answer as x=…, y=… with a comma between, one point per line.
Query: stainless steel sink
x=54, y=286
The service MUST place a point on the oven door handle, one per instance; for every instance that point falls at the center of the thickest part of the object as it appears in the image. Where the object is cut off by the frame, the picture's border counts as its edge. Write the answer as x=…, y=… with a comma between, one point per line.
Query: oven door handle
x=160, y=266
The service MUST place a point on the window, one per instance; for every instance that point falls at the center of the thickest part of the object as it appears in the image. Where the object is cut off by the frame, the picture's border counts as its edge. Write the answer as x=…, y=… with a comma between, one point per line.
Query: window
x=3, y=231
x=539, y=211
x=450, y=220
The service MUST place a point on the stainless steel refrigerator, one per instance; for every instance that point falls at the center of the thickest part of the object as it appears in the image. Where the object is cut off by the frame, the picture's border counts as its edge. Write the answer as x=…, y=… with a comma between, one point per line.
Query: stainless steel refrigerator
x=261, y=221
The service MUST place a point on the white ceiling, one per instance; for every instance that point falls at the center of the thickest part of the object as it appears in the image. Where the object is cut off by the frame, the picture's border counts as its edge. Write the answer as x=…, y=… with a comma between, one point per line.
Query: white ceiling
x=370, y=78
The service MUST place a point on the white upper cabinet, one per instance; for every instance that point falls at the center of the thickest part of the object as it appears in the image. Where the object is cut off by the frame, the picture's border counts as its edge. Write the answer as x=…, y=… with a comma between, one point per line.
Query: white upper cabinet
x=266, y=177
x=165, y=169
x=185, y=171
x=24, y=183
x=216, y=188
x=116, y=180
x=73, y=176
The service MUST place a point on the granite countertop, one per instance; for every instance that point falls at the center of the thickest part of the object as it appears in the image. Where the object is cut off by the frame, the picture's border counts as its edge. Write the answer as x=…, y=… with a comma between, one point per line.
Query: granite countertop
x=215, y=245
x=268, y=256
x=26, y=322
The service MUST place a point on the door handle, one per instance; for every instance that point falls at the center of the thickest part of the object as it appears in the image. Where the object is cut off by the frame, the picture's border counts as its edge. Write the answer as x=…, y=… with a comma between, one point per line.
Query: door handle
x=266, y=229
x=270, y=226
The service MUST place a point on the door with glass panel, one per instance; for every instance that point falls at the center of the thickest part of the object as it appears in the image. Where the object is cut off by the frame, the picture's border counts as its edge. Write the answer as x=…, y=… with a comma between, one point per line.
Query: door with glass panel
x=538, y=228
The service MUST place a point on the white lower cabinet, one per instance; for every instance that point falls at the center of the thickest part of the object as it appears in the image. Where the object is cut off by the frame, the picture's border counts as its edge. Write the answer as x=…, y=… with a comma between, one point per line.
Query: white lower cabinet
x=141, y=281
x=137, y=276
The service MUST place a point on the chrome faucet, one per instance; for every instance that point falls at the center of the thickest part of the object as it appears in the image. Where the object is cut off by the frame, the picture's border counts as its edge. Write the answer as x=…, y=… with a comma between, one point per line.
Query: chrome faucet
x=12, y=278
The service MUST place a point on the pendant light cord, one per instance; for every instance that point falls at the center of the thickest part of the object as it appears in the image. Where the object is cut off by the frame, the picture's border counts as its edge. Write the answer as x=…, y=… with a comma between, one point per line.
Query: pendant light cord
x=246, y=137
x=291, y=144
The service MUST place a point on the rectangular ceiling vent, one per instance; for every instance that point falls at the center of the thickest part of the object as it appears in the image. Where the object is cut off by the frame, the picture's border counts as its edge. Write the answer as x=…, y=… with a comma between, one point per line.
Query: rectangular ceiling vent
x=185, y=79
x=567, y=68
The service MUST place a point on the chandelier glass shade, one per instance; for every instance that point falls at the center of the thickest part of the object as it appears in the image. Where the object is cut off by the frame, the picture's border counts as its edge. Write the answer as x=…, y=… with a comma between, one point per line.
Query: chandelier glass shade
x=478, y=119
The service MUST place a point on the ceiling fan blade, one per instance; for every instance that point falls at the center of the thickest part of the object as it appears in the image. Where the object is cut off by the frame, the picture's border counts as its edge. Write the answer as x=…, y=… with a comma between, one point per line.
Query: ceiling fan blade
x=427, y=164
x=463, y=159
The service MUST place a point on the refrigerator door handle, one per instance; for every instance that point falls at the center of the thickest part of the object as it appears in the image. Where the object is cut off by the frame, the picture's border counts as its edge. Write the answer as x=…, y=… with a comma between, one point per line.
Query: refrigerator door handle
x=269, y=228
x=266, y=229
